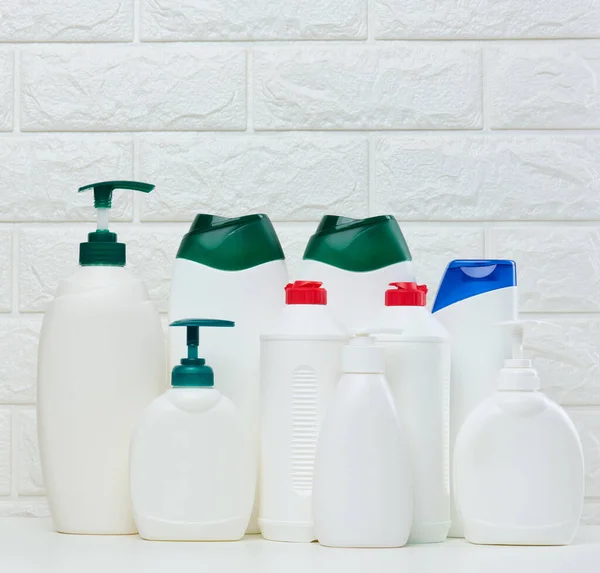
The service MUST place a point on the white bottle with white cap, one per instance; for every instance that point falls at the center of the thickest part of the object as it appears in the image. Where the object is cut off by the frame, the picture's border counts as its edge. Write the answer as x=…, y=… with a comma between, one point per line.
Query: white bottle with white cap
x=362, y=490
x=518, y=463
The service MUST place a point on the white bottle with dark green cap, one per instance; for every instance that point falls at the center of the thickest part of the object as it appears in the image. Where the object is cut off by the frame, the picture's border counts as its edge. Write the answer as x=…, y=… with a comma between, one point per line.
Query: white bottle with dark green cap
x=233, y=269
x=192, y=473
x=357, y=259
x=101, y=362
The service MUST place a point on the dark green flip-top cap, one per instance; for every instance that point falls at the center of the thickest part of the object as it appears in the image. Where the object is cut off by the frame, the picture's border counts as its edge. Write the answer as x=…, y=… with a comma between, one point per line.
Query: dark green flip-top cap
x=193, y=371
x=102, y=248
x=358, y=245
x=231, y=244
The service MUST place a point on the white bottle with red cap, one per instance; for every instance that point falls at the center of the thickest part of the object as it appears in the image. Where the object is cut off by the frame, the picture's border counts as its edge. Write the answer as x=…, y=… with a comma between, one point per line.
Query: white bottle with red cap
x=300, y=366
x=363, y=480
x=417, y=356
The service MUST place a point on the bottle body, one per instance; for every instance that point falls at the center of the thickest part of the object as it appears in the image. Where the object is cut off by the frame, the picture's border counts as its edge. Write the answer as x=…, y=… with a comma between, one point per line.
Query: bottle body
x=418, y=371
x=101, y=362
x=355, y=297
x=518, y=472
x=300, y=367
x=252, y=298
x=191, y=470
x=362, y=492
x=478, y=350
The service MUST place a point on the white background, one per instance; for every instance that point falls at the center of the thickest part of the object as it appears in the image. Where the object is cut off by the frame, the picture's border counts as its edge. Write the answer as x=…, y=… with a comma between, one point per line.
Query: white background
x=476, y=123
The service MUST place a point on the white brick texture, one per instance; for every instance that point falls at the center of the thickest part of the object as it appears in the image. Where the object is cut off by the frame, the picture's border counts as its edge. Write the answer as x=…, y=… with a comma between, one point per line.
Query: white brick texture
x=407, y=86
x=168, y=20
x=297, y=178
x=477, y=124
x=500, y=19
x=133, y=88
x=6, y=89
x=40, y=177
x=550, y=85
x=66, y=21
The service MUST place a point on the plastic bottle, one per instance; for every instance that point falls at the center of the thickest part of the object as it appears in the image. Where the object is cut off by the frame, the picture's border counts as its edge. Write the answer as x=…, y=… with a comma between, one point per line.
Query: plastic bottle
x=473, y=297
x=300, y=367
x=518, y=467
x=101, y=361
x=357, y=259
x=417, y=367
x=362, y=491
x=232, y=269
x=192, y=474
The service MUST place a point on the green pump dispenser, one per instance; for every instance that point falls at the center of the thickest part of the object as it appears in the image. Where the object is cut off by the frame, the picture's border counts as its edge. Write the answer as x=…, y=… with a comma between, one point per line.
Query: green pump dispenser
x=193, y=372
x=102, y=248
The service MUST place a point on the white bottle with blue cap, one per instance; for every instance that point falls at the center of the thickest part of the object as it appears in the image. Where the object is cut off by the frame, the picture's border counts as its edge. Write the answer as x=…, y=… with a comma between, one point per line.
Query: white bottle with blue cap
x=192, y=476
x=474, y=296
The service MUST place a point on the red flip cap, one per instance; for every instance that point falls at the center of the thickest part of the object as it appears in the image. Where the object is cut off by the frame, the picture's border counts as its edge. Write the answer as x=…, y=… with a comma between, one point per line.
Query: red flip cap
x=305, y=292
x=406, y=294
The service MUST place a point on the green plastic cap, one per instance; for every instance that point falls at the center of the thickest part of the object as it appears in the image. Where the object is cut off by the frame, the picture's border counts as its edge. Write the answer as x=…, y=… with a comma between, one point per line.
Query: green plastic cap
x=102, y=247
x=231, y=244
x=358, y=245
x=193, y=371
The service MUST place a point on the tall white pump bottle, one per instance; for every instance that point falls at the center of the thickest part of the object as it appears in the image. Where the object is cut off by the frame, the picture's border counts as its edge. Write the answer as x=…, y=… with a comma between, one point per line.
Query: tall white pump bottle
x=474, y=296
x=233, y=269
x=101, y=361
x=356, y=259
x=518, y=463
x=417, y=366
x=300, y=367
x=362, y=487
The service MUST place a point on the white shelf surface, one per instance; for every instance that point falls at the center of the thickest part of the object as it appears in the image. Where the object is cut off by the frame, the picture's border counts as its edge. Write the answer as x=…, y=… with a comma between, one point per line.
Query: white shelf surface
x=29, y=545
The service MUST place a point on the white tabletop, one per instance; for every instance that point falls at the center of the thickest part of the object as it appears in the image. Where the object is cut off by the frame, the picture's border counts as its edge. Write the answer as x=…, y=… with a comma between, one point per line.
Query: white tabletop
x=29, y=545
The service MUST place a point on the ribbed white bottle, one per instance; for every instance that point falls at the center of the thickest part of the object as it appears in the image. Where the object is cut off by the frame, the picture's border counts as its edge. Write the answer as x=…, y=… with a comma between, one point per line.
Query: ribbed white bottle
x=300, y=366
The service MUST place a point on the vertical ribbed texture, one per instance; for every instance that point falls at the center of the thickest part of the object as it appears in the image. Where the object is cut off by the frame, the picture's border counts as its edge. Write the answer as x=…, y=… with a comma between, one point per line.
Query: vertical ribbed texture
x=304, y=428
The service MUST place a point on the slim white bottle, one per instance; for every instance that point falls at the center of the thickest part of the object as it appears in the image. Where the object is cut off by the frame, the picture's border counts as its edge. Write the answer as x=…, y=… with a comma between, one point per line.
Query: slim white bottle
x=300, y=367
x=191, y=468
x=362, y=490
x=417, y=367
x=234, y=269
x=474, y=296
x=518, y=465
x=101, y=361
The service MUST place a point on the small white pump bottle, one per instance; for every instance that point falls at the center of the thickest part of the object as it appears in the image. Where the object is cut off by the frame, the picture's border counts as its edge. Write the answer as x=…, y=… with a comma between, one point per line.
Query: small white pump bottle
x=518, y=463
x=192, y=475
x=101, y=361
x=362, y=488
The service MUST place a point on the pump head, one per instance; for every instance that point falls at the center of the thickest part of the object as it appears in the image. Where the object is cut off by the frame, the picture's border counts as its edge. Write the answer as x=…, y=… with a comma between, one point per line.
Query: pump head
x=193, y=371
x=102, y=247
x=518, y=372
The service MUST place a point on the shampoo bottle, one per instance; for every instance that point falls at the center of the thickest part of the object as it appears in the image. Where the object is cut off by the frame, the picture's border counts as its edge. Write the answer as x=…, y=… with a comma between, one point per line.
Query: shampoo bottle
x=417, y=366
x=357, y=259
x=191, y=468
x=518, y=465
x=300, y=367
x=101, y=362
x=474, y=296
x=234, y=269
x=362, y=488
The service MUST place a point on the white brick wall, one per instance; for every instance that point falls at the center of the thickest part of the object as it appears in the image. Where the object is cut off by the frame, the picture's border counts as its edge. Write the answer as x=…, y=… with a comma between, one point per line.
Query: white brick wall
x=478, y=127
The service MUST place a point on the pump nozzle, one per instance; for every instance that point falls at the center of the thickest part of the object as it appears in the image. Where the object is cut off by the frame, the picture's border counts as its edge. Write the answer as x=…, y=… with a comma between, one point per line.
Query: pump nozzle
x=102, y=247
x=194, y=371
